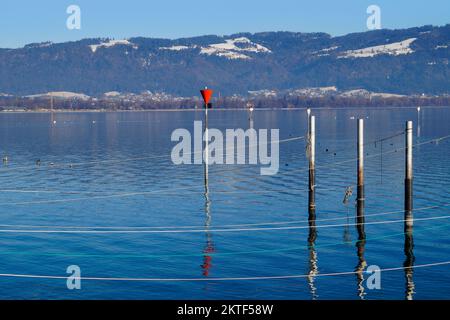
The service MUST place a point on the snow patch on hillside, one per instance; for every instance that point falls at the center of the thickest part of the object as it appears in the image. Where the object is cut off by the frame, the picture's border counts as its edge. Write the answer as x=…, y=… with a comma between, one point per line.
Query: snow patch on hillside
x=386, y=95
x=395, y=49
x=62, y=95
x=230, y=55
x=175, y=48
x=112, y=94
x=231, y=49
x=327, y=49
x=234, y=48
x=314, y=92
x=112, y=43
x=325, y=52
x=368, y=94
x=267, y=93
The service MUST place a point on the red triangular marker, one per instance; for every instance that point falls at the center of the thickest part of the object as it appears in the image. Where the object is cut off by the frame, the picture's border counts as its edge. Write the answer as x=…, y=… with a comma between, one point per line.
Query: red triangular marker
x=206, y=94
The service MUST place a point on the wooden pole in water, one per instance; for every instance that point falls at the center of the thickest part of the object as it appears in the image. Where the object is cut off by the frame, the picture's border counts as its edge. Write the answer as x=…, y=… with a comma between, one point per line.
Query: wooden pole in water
x=312, y=203
x=360, y=193
x=360, y=198
x=308, y=114
x=312, y=162
x=409, y=219
x=409, y=175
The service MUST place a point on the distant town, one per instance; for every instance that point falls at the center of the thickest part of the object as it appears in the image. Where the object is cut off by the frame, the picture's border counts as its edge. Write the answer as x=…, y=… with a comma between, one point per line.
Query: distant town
x=322, y=97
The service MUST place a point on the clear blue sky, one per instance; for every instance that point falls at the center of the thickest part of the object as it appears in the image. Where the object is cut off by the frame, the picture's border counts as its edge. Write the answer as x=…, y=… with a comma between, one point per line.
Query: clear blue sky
x=23, y=22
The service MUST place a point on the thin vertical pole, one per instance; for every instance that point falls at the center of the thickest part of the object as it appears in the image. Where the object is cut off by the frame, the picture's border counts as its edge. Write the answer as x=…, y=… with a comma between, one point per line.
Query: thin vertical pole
x=360, y=198
x=308, y=114
x=409, y=220
x=51, y=111
x=209, y=249
x=312, y=162
x=409, y=175
x=381, y=160
x=206, y=153
x=312, y=203
x=418, y=122
x=360, y=192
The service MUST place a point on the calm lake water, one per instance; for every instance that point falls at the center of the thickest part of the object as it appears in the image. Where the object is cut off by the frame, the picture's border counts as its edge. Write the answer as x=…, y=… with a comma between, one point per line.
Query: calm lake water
x=136, y=215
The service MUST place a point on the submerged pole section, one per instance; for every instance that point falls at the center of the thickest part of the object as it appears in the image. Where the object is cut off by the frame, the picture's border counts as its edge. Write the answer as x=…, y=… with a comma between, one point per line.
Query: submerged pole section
x=409, y=175
x=409, y=262
x=360, y=192
x=312, y=162
x=313, y=266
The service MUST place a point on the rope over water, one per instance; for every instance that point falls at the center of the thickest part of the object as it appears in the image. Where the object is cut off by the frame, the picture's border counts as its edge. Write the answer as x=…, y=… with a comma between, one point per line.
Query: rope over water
x=13, y=275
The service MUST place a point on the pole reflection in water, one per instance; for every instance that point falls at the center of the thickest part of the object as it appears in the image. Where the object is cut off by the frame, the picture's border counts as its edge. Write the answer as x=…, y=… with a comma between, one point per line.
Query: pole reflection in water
x=209, y=248
x=360, y=246
x=409, y=262
x=313, y=268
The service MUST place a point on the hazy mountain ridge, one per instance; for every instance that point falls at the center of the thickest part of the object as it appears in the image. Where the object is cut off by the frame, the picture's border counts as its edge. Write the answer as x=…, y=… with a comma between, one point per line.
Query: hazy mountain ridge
x=407, y=61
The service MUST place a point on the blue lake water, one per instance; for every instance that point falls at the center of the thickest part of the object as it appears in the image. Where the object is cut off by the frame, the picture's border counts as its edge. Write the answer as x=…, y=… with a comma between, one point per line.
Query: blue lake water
x=109, y=178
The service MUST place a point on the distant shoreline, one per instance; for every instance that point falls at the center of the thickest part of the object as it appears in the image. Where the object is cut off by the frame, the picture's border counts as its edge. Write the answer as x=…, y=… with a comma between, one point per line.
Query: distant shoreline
x=45, y=111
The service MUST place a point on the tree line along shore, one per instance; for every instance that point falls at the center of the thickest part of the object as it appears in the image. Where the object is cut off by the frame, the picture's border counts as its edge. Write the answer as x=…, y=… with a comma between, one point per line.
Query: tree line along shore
x=11, y=103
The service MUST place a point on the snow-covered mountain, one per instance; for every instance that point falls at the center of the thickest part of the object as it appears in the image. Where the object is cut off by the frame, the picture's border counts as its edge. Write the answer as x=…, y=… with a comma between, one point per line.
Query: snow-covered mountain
x=408, y=61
